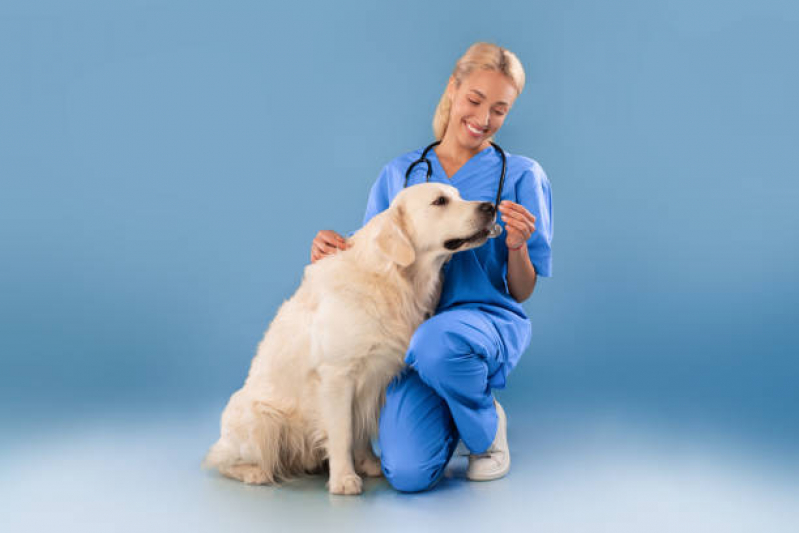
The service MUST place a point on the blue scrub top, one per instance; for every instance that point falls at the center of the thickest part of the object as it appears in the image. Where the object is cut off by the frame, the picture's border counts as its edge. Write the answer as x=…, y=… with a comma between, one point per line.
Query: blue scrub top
x=477, y=278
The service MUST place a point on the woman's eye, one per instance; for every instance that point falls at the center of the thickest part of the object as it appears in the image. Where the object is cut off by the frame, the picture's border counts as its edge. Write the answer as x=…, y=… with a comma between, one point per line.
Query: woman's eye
x=473, y=102
x=441, y=200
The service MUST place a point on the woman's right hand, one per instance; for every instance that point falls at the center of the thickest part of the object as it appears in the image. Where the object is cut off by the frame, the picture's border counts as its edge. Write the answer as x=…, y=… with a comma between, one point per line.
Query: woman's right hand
x=327, y=242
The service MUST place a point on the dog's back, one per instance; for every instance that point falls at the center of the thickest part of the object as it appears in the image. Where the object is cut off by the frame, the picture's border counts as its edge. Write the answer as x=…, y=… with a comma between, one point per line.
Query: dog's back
x=326, y=359
x=342, y=316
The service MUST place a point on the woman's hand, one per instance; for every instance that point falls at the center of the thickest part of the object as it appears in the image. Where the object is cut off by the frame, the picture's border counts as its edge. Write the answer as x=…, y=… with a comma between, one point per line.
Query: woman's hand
x=519, y=223
x=327, y=242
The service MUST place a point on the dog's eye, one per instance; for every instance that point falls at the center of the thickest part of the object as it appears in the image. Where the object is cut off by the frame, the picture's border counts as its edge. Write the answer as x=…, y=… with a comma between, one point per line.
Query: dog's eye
x=441, y=200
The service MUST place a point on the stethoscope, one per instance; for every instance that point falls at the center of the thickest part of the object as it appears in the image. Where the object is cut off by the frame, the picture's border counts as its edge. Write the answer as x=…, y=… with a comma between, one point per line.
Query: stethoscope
x=423, y=159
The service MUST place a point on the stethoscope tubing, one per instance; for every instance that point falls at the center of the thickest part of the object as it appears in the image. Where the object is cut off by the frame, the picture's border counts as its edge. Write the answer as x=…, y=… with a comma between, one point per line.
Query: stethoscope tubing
x=423, y=159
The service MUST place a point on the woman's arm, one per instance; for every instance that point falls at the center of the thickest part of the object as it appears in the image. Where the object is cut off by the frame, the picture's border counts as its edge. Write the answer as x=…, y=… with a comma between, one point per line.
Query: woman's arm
x=521, y=274
x=519, y=226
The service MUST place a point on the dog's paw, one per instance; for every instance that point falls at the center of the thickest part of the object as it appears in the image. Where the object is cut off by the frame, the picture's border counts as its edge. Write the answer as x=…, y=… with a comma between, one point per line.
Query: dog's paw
x=256, y=476
x=250, y=474
x=369, y=467
x=345, y=484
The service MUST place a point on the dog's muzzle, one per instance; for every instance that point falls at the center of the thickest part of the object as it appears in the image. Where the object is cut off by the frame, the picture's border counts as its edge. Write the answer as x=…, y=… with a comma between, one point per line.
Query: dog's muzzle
x=491, y=229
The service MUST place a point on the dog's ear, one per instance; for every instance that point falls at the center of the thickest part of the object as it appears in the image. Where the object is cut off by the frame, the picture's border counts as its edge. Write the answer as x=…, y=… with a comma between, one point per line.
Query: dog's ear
x=392, y=238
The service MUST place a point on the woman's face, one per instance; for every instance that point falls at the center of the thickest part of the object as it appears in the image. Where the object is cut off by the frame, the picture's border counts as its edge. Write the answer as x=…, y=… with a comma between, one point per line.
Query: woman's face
x=479, y=107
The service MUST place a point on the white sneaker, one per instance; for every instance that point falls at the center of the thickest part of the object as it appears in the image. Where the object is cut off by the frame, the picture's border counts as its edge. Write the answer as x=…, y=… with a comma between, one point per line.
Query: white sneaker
x=495, y=461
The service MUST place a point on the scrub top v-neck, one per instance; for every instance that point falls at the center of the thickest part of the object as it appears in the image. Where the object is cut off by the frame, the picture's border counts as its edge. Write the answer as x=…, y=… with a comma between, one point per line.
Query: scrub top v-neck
x=436, y=162
x=477, y=278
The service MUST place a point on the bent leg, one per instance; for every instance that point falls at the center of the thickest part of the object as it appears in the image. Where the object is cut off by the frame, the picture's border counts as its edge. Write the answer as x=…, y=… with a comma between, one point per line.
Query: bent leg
x=417, y=436
x=459, y=354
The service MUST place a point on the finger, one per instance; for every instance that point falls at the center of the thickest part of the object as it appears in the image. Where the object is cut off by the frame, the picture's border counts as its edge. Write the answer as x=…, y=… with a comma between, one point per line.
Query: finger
x=511, y=213
x=516, y=220
x=334, y=237
x=524, y=225
x=513, y=223
x=515, y=208
x=511, y=206
x=512, y=228
x=324, y=249
x=329, y=239
x=519, y=227
x=518, y=211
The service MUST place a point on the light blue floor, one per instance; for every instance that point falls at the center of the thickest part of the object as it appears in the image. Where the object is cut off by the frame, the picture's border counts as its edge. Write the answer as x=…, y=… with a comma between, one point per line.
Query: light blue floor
x=593, y=472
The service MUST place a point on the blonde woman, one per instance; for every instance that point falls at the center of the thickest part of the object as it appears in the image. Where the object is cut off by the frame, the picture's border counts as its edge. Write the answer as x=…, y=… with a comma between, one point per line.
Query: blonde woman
x=479, y=330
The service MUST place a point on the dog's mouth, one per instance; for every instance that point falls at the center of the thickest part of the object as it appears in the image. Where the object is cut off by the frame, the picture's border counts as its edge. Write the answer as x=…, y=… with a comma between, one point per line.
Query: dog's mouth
x=454, y=244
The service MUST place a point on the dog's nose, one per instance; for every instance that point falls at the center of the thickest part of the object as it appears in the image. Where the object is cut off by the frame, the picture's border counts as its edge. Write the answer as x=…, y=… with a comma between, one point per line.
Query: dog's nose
x=487, y=207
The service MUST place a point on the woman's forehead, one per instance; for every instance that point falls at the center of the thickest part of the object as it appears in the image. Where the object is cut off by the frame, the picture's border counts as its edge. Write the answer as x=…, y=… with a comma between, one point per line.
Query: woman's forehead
x=490, y=84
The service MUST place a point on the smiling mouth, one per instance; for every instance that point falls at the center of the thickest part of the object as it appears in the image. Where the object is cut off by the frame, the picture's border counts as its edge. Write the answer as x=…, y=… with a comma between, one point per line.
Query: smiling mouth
x=474, y=131
x=454, y=244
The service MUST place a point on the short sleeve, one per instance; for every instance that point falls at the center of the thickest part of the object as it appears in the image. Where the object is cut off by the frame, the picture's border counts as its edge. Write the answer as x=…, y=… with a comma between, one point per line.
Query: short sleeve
x=534, y=192
x=378, y=200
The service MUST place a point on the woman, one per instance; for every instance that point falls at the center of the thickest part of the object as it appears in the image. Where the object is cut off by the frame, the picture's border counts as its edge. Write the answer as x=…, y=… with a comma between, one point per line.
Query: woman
x=479, y=330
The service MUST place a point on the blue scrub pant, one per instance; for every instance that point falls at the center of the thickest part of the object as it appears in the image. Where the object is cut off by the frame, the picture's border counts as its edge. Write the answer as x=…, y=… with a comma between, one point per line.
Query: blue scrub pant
x=455, y=358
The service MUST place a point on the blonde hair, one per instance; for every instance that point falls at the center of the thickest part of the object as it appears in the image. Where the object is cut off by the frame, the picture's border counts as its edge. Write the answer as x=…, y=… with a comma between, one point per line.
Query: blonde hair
x=486, y=56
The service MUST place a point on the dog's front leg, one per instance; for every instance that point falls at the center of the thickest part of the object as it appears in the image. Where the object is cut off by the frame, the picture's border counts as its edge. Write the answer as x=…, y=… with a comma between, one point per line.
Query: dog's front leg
x=336, y=409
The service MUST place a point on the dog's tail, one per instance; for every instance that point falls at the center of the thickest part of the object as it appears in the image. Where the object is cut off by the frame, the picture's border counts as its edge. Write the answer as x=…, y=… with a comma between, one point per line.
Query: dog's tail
x=265, y=437
x=219, y=456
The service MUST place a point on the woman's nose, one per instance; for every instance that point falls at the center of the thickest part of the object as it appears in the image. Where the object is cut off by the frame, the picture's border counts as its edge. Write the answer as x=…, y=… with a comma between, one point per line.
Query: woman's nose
x=484, y=120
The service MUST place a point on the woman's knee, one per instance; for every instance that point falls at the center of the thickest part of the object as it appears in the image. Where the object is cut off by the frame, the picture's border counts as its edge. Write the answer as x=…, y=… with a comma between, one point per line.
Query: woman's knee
x=416, y=464
x=417, y=435
x=449, y=366
x=414, y=459
x=412, y=476
x=442, y=341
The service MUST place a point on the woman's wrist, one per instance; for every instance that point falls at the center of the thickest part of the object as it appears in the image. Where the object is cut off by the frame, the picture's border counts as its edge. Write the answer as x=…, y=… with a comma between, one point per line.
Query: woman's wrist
x=519, y=247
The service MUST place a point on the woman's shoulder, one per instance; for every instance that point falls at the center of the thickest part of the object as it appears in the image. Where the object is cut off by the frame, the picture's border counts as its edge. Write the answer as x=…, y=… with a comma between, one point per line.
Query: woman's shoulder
x=392, y=175
x=404, y=160
x=526, y=168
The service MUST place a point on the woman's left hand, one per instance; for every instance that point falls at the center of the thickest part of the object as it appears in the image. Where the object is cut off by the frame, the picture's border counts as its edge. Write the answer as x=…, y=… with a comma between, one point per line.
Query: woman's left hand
x=519, y=223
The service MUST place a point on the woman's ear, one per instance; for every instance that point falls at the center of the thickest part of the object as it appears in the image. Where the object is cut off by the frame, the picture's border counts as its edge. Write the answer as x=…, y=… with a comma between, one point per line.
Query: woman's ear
x=392, y=239
x=451, y=87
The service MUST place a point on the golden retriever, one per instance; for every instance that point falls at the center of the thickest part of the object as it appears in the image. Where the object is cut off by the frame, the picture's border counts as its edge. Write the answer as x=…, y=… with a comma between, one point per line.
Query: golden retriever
x=318, y=379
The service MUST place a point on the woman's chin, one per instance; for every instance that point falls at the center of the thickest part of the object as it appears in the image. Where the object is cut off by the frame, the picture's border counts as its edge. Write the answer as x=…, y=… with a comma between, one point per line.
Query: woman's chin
x=472, y=143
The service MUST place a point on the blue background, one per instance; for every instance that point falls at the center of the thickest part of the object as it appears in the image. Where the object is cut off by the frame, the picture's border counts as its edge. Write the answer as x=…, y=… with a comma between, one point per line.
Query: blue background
x=165, y=166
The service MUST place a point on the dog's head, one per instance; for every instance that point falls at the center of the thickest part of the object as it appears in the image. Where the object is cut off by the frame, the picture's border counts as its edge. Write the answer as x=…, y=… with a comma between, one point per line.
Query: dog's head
x=432, y=218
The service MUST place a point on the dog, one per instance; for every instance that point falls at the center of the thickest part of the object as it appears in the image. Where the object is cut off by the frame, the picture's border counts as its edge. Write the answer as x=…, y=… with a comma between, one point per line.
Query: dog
x=317, y=382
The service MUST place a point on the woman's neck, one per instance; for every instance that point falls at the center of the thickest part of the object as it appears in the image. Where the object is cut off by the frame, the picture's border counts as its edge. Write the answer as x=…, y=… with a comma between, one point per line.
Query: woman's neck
x=454, y=152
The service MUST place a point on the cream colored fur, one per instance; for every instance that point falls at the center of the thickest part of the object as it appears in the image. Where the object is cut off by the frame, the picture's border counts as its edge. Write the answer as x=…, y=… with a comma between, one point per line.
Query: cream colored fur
x=318, y=379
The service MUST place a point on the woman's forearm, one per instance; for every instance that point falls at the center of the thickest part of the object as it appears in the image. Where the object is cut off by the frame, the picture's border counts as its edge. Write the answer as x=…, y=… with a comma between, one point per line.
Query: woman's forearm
x=521, y=274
